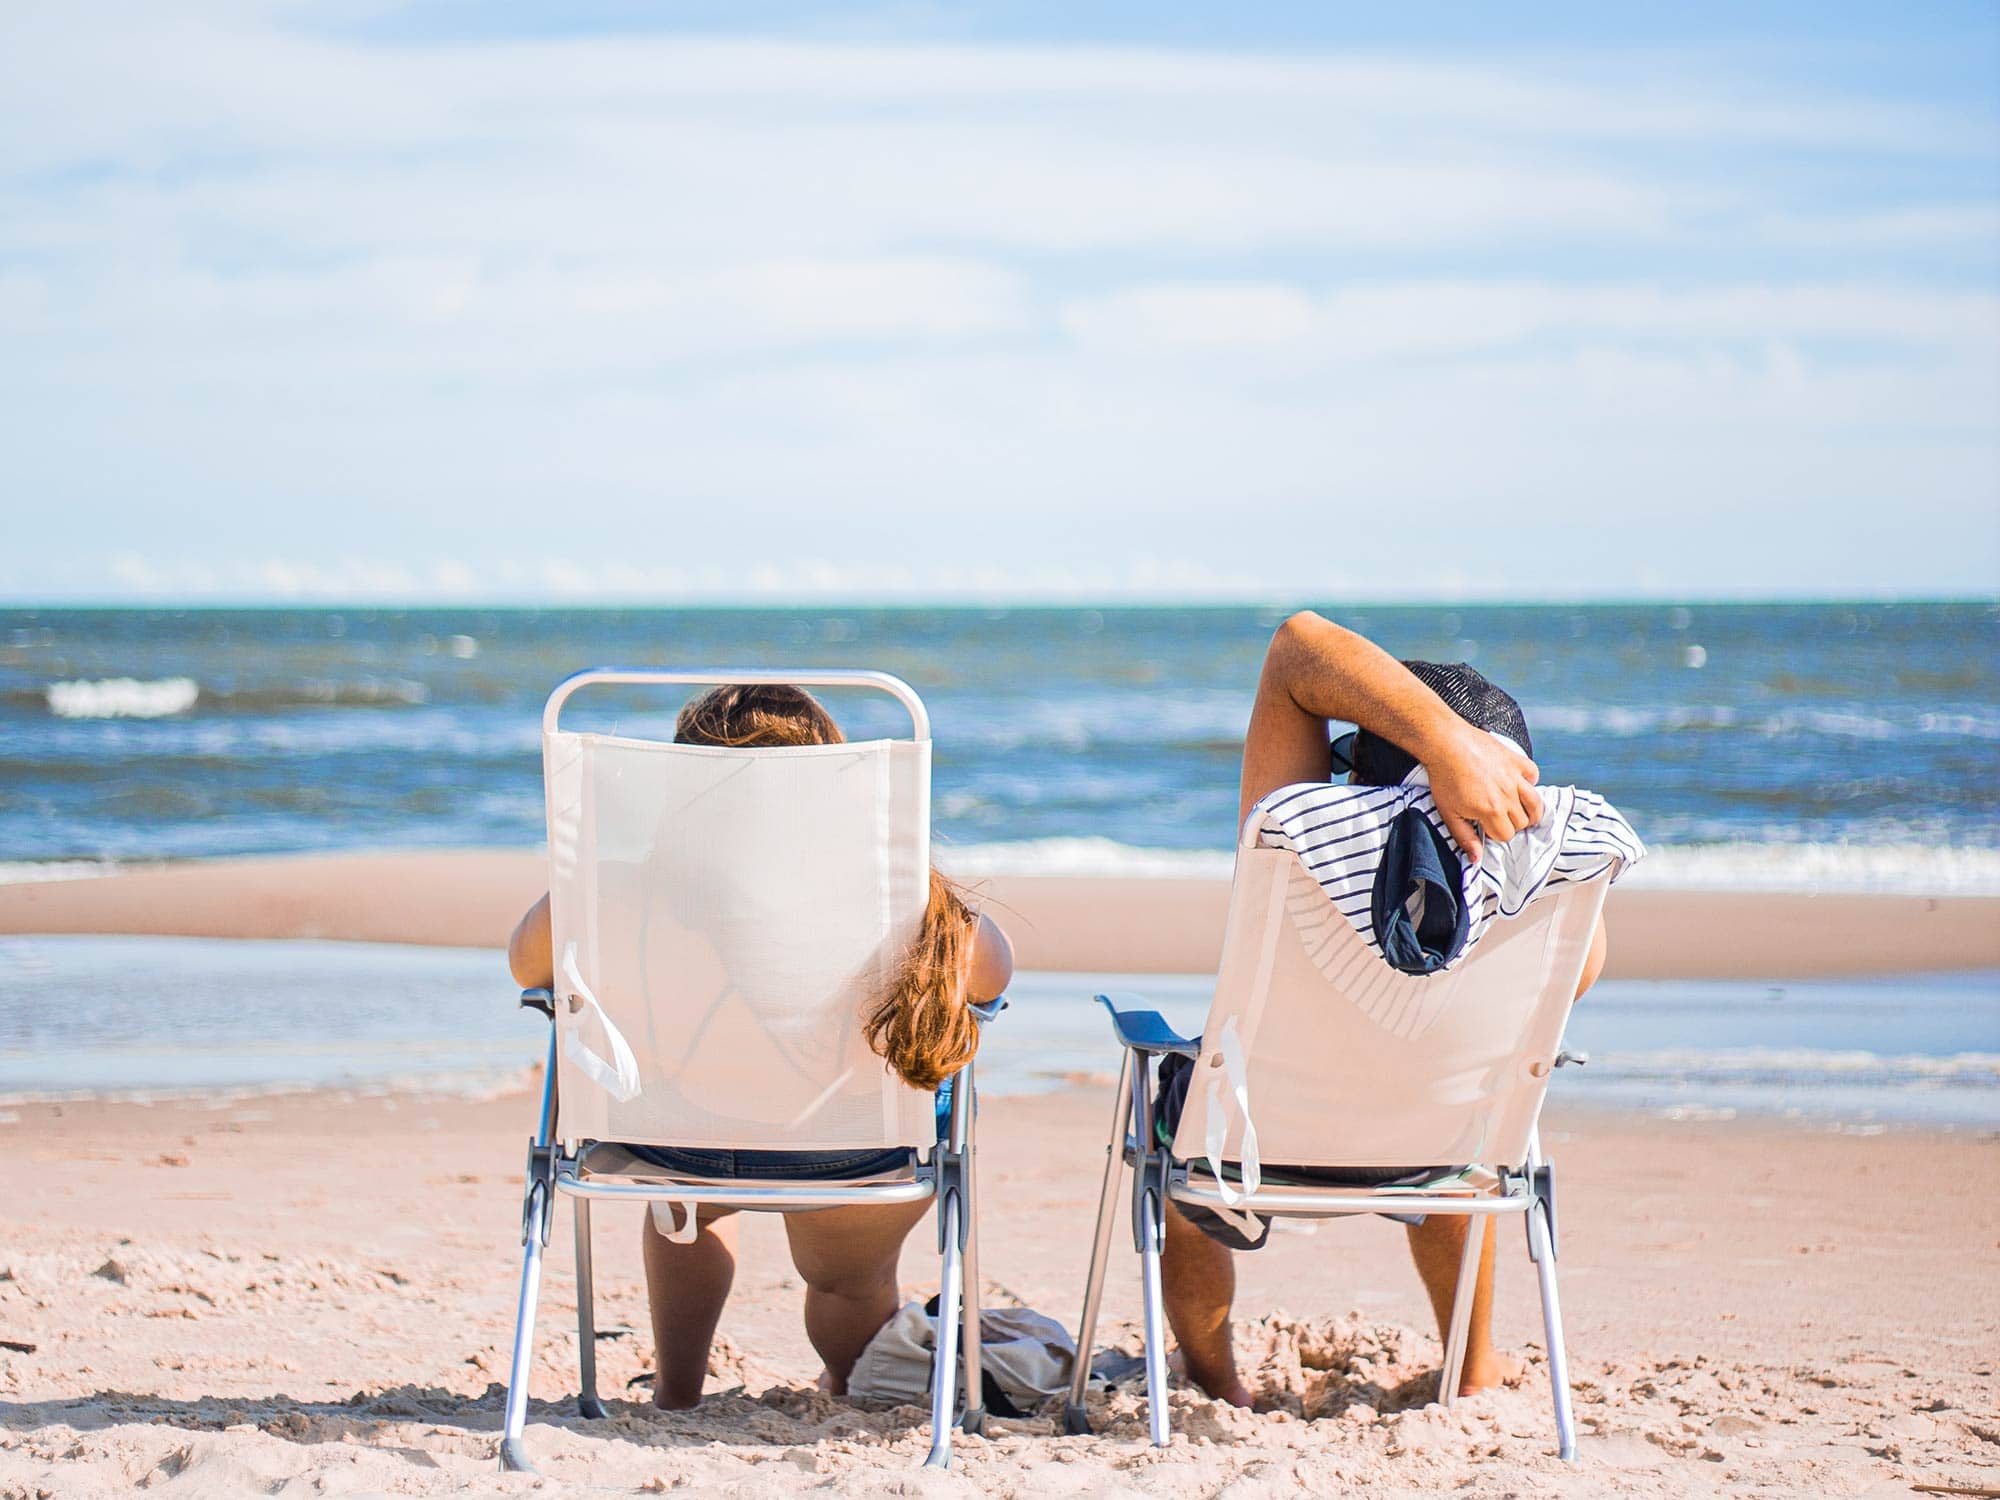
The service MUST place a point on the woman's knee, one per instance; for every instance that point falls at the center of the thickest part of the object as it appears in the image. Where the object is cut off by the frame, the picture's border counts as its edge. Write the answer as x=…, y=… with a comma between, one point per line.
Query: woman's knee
x=850, y=1252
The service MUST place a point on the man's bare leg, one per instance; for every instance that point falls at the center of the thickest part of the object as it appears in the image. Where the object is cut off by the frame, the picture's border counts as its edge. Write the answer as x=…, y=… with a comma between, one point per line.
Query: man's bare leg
x=1437, y=1245
x=686, y=1286
x=1198, y=1283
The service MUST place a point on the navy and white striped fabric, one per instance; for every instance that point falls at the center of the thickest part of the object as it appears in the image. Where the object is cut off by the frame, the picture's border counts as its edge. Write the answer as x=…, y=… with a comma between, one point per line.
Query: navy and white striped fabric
x=1338, y=832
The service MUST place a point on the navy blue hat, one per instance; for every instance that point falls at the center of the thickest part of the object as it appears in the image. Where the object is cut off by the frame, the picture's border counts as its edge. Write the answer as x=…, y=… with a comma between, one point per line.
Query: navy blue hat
x=1376, y=761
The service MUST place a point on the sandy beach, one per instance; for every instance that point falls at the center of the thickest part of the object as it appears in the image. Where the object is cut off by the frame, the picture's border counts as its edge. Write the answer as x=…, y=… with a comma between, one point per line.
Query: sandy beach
x=313, y=1294
x=1144, y=925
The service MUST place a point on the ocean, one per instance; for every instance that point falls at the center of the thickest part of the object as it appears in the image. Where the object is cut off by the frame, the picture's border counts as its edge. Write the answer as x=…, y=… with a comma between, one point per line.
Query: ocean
x=1818, y=746
x=1841, y=744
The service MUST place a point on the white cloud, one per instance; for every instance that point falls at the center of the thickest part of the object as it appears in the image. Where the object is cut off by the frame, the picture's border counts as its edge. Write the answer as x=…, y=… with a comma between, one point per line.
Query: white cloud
x=575, y=317
x=1364, y=320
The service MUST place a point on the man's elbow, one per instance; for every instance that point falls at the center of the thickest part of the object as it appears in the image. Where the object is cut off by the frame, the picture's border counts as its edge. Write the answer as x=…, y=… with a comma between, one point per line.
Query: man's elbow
x=1297, y=633
x=1299, y=651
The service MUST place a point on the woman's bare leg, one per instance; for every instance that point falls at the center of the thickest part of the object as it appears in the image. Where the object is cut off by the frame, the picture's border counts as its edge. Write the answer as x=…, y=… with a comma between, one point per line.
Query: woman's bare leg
x=847, y=1258
x=686, y=1286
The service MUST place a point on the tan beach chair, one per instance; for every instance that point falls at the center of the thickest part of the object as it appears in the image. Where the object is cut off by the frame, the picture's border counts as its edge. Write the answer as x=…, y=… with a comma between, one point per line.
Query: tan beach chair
x=1316, y=1053
x=722, y=918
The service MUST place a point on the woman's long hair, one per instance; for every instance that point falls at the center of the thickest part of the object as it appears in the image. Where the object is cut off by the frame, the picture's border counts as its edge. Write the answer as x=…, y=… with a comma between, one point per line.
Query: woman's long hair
x=923, y=1027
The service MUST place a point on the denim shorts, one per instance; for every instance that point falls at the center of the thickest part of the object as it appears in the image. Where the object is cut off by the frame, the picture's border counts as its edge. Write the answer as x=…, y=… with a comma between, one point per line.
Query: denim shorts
x=1175, y=1072
x=789, y=1166
x=779, y=1166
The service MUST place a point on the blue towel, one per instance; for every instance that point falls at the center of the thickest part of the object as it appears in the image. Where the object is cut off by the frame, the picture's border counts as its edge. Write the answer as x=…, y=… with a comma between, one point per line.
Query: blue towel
x=1418, y=862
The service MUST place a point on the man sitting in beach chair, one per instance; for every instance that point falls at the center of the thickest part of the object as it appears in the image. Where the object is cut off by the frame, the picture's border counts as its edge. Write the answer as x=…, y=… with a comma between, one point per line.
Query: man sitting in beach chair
x=1468, y=738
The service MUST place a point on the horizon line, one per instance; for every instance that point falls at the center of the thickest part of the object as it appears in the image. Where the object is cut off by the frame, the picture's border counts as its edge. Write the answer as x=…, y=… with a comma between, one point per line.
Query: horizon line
x=897, y=601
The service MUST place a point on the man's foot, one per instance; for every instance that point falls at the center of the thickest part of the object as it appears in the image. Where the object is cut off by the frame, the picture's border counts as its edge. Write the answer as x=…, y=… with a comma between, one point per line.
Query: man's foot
x=1235, y=1394
x=1491, y=1373
x=1231, y=1390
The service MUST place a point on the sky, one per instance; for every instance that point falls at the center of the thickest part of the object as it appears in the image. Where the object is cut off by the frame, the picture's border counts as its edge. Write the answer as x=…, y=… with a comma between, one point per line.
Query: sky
x=332, y=300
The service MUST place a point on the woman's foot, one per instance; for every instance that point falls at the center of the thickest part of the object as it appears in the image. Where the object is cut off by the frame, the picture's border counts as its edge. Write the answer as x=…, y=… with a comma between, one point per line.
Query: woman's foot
x=664, y=1400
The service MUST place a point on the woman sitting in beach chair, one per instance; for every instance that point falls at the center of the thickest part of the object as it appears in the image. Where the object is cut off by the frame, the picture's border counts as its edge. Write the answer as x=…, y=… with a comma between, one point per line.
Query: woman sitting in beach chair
x=923, y=1028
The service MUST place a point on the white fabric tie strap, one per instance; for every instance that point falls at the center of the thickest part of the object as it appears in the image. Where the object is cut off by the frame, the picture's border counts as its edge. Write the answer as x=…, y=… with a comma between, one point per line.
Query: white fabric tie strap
x=1229, y=1047
x=663, y=1222
x=618, y=1077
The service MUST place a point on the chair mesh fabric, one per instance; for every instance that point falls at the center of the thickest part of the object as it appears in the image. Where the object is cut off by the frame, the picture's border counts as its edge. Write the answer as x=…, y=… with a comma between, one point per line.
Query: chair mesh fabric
x=1354, y=1064
x=1380, y=762
x=735, y=912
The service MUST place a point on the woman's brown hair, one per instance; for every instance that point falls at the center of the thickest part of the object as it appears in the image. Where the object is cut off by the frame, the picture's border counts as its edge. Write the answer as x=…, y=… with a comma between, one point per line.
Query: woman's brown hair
x=923, y=1027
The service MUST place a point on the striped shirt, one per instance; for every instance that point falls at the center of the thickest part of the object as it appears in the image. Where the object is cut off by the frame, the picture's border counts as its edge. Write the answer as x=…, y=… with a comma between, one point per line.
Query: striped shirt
x=1338, y=832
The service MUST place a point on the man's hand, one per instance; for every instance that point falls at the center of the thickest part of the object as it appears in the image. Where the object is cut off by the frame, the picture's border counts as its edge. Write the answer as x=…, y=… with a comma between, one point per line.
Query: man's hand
x=1483, y=789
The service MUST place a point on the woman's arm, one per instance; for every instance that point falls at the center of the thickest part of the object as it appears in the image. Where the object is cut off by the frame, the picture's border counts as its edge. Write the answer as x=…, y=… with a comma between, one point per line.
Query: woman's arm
x=992, y=965
x=531, y=950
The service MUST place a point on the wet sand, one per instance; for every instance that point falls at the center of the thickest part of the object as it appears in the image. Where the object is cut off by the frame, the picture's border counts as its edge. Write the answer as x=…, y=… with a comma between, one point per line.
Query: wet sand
x=1129, y=925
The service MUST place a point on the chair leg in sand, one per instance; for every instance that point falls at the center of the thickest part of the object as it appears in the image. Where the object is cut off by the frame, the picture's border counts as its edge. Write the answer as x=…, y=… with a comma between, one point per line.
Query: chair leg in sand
x=1542, y=1250
x=587, y=1404
x=1075, y=1421
x=1149, y=1233
x=537, y=1210
x=1453, y=1369
x=972, y=1381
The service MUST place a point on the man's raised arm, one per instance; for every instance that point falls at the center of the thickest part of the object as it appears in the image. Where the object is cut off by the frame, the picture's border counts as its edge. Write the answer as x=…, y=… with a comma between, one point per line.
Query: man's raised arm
x=1315, y=671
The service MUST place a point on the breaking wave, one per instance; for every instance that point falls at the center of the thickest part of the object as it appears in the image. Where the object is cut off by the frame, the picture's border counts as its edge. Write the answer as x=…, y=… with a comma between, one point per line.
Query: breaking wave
x=1888, y=869
x=171, y=697
x=122, y=698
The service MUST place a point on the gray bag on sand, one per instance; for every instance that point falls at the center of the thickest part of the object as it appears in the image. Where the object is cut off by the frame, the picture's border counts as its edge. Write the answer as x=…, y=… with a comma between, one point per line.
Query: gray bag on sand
x=1024, y=1357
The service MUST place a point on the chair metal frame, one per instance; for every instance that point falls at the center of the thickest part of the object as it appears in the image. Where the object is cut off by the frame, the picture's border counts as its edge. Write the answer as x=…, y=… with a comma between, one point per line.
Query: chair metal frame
x=945, y=1173
x=1526, y=1189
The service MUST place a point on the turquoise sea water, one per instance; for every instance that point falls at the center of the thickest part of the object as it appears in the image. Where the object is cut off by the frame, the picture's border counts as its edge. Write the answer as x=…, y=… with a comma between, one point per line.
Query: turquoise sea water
x=1078, y=733
x=1807, y=746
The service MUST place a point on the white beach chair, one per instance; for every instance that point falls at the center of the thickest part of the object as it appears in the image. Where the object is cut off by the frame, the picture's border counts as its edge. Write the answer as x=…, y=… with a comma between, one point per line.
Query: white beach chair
x=1338, y=1060
x=722, y=918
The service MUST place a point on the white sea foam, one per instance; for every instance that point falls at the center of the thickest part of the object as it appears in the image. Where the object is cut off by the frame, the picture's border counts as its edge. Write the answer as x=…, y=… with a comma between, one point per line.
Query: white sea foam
x=1099, y=857
x=1779, y=723
x=1859, y=869
x=26, y=871
x=122, y=698
x=1888, y=869
x=1803, y=1065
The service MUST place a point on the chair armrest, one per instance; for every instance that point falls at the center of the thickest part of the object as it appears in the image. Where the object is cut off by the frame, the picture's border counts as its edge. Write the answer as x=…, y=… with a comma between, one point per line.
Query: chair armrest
x=989, y=1010
x=541, y=1000
x=1145, y=1030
